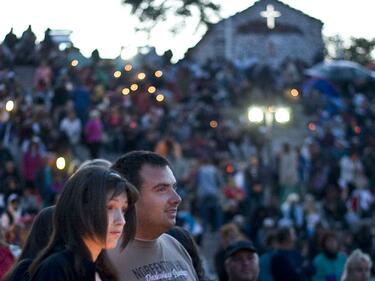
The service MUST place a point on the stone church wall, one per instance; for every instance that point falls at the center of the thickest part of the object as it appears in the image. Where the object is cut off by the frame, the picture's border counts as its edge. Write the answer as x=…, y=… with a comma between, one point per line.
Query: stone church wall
x=271, y=47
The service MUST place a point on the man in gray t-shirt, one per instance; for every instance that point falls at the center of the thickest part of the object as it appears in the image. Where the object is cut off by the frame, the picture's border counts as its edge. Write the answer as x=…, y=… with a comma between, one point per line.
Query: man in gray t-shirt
x=153, y=255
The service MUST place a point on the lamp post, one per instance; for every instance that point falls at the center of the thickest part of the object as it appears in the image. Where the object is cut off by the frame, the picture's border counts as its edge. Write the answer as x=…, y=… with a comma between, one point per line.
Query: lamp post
x=269, y=115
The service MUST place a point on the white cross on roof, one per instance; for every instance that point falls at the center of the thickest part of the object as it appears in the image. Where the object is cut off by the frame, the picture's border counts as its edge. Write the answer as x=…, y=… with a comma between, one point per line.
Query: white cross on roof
x=270, y=13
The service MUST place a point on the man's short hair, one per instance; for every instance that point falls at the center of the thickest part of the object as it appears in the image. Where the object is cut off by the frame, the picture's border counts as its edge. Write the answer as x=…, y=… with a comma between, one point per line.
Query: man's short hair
x=130, y=164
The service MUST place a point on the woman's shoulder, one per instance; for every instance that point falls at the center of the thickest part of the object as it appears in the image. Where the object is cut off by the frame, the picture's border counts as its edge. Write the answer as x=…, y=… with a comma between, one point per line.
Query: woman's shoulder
x=59, y=256
x=54, y=267
x=65, y=265
x=20, y=271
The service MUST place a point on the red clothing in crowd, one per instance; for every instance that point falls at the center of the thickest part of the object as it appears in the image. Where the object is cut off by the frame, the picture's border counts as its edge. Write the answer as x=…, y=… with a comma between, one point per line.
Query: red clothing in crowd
x=6, y=260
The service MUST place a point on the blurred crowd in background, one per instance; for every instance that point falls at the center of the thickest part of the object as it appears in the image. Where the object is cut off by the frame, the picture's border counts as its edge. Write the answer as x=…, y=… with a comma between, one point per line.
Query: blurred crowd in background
x=314, y=200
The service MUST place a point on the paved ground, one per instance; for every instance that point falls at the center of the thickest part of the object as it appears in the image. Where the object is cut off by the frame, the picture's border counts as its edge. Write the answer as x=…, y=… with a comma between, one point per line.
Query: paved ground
x=210, y=244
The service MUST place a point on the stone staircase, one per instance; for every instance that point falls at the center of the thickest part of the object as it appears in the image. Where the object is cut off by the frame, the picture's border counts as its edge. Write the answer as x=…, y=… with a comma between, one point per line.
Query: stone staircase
x=294, y=132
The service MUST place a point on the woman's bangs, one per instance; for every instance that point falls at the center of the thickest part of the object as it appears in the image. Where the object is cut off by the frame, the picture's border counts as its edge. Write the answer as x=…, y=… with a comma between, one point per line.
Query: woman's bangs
x=116, y=185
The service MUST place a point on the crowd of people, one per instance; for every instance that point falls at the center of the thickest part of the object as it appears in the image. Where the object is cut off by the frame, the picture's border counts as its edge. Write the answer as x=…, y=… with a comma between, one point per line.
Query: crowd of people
x=305, y=211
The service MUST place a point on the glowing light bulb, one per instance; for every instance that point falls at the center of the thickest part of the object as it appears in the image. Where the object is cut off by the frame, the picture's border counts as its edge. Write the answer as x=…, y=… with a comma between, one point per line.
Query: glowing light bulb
x=158, y=73
x=151, y=89
x=294, y=93
x=312, y=126
x=141, y=75
x=125, y=91
x=9, y=106
x=128, y=67
x=160, y=98
x=117, y=74
x=282, y=115
x=60, y=163
x=134, y=87
x=255, y=114
x=213, y=124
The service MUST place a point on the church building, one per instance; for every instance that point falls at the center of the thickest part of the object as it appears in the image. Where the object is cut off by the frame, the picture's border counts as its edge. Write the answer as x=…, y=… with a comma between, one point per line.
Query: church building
x=269, y=32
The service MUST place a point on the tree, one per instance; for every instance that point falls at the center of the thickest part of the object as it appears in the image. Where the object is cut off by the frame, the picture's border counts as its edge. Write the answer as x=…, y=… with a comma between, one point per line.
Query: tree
x=360, y=50
x=152, y=12
x=334, y=47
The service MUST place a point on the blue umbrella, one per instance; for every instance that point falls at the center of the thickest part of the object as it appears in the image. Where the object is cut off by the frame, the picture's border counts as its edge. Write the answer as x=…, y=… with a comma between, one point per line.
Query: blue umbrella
x=341, y=71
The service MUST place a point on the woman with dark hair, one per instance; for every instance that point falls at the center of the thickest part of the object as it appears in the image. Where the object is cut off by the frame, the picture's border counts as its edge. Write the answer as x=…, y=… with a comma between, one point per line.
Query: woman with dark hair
x=101, y=162
x=90, y=216
x=36, y=240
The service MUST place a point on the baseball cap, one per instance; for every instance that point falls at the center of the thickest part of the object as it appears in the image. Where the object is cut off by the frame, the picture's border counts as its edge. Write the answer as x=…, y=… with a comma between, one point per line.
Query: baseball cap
x=239, y=245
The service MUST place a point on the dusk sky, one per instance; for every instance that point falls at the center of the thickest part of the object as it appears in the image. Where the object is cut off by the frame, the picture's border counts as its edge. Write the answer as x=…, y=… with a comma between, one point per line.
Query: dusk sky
x=107, y=25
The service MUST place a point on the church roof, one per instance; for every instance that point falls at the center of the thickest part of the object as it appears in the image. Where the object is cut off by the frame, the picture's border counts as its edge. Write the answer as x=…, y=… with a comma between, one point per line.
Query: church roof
x=255, y=27
x=279, y=2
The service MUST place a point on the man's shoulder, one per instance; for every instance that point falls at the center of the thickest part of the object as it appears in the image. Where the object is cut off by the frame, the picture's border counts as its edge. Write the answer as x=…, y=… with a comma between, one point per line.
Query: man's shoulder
x=171, y=243
x=163, y=258
x=166, y=238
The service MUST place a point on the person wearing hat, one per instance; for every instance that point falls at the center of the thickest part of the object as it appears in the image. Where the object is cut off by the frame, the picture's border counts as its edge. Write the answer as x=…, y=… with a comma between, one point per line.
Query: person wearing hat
x=12, y=214
x=242, y=261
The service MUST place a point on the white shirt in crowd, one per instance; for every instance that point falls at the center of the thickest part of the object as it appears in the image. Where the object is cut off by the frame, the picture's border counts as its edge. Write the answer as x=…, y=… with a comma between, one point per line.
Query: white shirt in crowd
x=72, y=128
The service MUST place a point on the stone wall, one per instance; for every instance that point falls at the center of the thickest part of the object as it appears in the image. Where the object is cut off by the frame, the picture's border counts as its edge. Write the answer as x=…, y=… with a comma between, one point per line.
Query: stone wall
x=296, y=35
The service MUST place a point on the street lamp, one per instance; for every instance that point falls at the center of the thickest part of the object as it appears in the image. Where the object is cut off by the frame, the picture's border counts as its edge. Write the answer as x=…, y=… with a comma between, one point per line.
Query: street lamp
x=269, y=115
x=255, y=114
x=60, y=163
x=282, y=115
x=9, y=106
